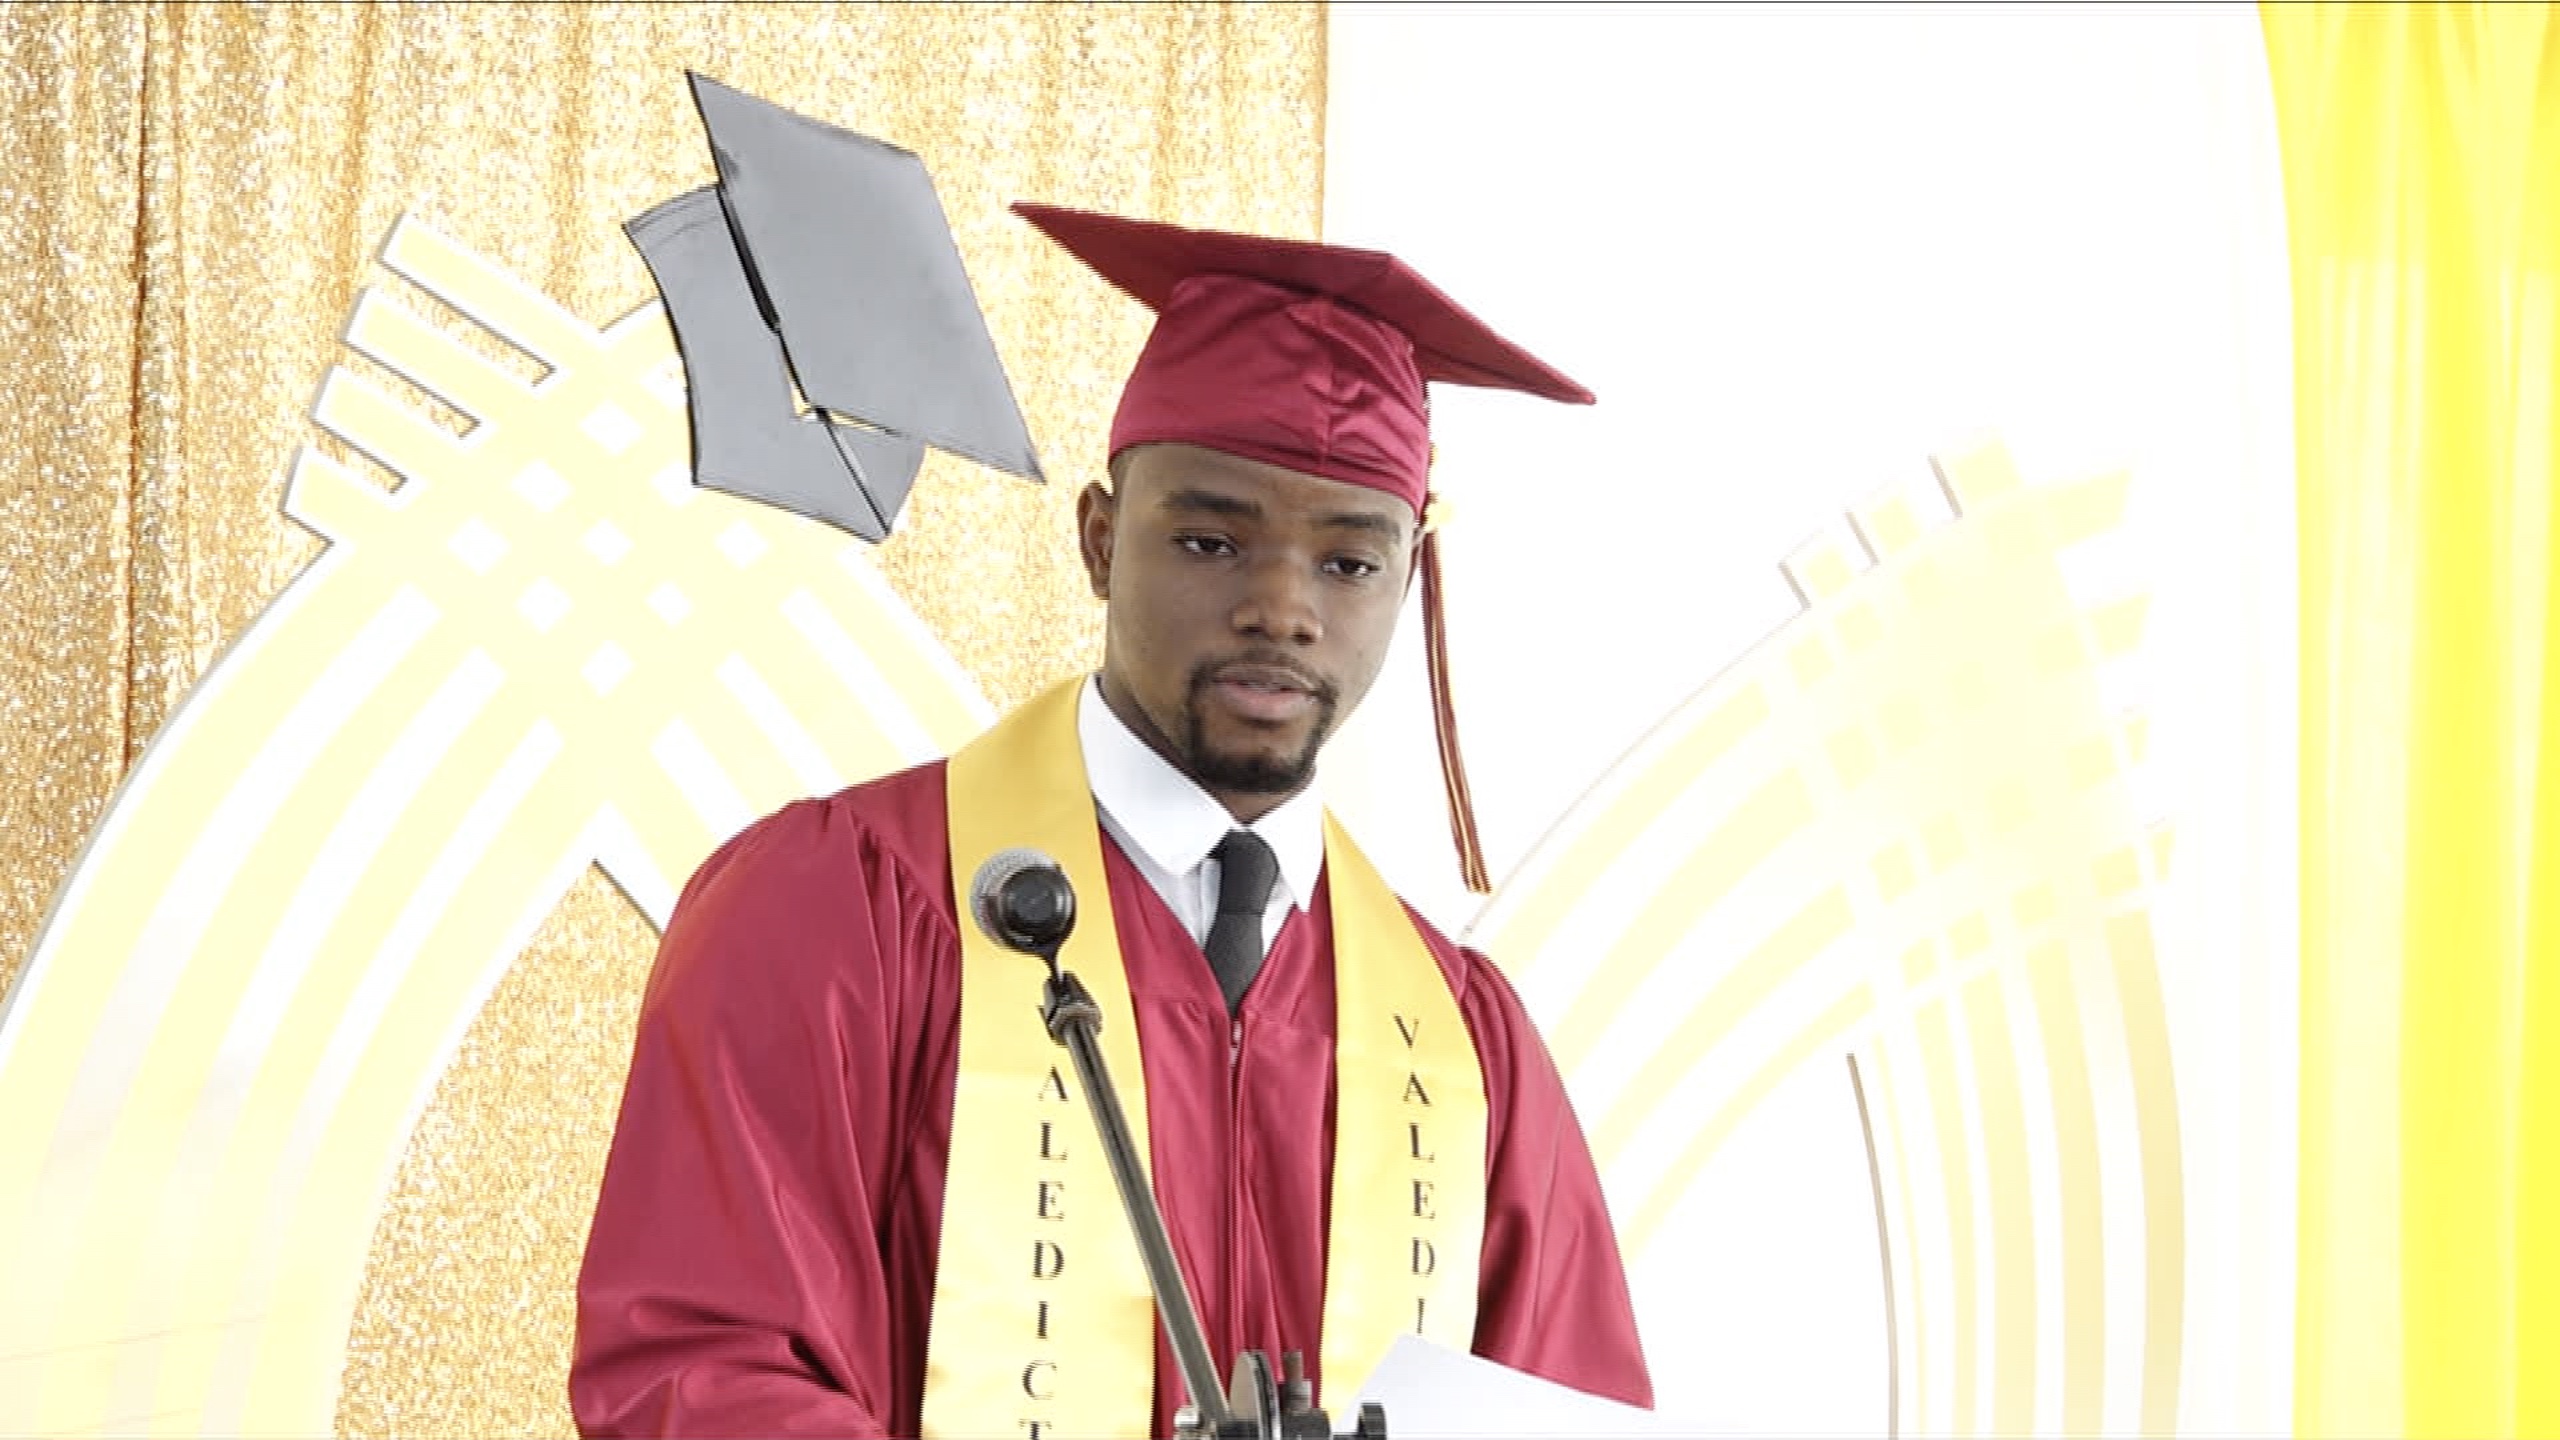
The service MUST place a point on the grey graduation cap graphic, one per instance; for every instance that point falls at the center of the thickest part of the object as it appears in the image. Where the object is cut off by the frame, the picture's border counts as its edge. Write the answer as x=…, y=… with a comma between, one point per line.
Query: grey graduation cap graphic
x=822, y=258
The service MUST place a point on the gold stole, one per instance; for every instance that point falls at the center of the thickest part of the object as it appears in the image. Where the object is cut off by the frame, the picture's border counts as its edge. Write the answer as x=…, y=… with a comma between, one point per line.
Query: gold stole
x=1042, y=1323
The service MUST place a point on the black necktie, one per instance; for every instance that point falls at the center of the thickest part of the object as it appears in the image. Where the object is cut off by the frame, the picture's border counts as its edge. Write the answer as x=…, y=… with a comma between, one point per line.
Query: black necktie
x=1246, y=870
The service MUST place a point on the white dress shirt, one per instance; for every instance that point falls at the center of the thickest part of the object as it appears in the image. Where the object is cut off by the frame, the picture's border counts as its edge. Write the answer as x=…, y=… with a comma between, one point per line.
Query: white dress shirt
x=1167, y=824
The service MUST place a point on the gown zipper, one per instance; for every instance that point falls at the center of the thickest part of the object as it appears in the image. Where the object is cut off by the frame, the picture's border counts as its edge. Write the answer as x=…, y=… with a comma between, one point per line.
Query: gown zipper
x=1235, y=1187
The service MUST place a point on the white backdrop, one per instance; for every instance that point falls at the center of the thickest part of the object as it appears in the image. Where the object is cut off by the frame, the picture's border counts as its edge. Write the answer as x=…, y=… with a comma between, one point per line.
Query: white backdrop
x=1795, y=252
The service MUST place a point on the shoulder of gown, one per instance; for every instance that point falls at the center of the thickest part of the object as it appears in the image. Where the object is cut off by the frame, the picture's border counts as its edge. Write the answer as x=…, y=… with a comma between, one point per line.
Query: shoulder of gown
x=730, y=1283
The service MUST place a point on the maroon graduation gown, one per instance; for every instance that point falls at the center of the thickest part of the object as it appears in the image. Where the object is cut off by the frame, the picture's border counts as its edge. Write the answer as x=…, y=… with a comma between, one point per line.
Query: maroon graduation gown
x=763, y=1251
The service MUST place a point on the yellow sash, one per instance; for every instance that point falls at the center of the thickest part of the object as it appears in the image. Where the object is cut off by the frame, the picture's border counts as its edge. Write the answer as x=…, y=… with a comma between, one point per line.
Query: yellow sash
x=1042, y=1323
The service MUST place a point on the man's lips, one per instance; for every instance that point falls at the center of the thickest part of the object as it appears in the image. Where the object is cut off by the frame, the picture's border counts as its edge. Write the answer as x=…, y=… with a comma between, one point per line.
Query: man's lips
x=1271, y=694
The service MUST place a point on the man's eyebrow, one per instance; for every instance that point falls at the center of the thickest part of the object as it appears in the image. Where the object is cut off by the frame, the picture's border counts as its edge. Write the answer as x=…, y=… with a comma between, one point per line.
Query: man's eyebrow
x=1385, y=527
x=1211, y=502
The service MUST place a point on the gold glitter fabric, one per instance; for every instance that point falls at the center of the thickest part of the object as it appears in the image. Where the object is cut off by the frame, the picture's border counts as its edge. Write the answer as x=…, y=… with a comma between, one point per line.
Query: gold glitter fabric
x=189, y=197
x=70, y=187
x=194, y=192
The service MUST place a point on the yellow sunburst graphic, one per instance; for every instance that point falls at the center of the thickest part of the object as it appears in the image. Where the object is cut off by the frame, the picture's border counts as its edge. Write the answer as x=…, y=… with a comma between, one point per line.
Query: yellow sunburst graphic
x=543, y=649
x=1906, y=828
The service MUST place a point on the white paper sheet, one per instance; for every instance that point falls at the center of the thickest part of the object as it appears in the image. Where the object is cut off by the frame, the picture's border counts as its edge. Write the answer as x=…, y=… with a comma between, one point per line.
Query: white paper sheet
x=1430, y=1391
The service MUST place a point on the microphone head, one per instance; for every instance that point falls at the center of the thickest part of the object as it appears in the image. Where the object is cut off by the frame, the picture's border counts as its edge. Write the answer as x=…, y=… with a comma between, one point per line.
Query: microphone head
x=1022, y=900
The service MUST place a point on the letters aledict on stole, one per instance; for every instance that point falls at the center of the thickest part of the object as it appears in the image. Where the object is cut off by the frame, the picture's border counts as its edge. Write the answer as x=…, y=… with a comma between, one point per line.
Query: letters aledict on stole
x=1048, y=1257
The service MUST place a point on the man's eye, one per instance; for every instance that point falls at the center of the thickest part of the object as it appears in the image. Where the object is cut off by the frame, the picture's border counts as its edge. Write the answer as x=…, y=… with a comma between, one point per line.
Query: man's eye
x=1351, y=567
x=1206, y=545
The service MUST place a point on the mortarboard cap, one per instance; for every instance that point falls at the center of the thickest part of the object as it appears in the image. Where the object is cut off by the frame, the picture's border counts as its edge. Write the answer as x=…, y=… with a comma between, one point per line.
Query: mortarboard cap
x=1312, y=357
x=1301, y=354
x=822, y=258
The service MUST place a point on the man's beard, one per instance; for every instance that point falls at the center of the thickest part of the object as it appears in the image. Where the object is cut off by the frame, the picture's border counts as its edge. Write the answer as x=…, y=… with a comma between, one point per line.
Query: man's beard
x=1251, y=773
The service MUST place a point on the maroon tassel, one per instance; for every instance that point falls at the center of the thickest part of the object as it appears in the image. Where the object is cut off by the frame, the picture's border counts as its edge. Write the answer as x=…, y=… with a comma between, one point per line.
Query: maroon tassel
x=1444, y=723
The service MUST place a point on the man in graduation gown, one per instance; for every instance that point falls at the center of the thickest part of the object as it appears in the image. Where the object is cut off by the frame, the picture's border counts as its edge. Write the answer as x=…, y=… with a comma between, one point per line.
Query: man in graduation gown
x=820, y=1215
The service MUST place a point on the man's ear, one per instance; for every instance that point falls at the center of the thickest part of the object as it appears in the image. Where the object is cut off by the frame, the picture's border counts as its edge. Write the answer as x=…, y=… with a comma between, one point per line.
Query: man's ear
x=1097, y=526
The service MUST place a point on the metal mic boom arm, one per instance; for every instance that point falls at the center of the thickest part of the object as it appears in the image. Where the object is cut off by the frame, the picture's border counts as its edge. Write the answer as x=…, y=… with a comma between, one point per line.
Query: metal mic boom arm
x=1073, y=1020
x=1022, y=900
x=1258, y=1405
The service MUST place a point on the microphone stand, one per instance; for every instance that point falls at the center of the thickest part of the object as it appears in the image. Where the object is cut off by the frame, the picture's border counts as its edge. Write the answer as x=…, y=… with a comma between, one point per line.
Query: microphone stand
x=1075, y=1021
x=1256, y=1404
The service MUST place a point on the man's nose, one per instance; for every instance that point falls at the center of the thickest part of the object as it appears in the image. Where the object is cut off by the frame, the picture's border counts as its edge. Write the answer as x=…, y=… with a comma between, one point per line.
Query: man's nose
x=1279, y=602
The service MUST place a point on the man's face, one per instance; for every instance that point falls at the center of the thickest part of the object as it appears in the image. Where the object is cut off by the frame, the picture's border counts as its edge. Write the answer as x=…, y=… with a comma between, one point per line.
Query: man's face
x=1250, y=607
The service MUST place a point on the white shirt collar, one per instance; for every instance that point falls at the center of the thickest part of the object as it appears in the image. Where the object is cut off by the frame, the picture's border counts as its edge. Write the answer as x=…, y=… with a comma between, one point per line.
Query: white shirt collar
x=1164, y=813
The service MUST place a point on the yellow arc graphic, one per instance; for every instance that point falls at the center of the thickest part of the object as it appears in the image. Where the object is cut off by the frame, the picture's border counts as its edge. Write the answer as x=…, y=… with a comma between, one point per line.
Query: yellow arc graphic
x=543, y=649
x=1904, y=826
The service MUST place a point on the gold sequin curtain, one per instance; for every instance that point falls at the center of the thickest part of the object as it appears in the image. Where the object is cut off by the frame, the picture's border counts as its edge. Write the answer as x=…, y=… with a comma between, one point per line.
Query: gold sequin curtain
x=192, y=195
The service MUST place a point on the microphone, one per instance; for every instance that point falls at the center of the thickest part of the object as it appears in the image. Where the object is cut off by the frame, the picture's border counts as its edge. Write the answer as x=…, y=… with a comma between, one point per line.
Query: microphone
x=1022, y=900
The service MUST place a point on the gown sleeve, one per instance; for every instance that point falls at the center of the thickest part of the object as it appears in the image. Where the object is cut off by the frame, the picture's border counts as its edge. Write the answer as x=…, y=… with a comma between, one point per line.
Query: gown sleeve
x=734, y=1282
x=1552, y=1291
